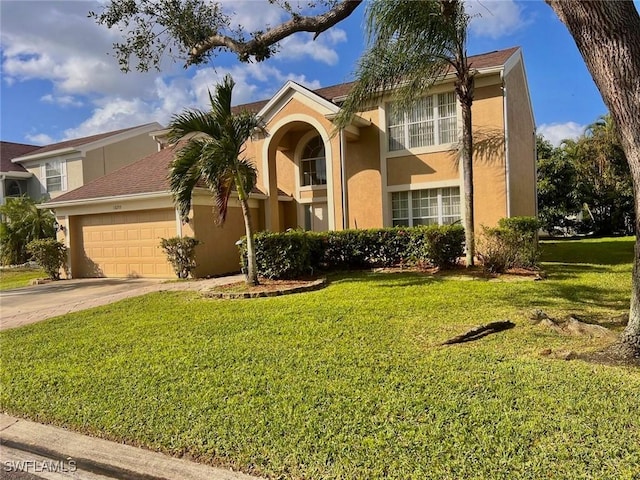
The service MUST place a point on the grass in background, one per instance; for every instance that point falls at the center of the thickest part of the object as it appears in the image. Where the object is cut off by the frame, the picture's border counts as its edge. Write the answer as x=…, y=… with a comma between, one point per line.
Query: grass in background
x=348, y=381
x=18, y=277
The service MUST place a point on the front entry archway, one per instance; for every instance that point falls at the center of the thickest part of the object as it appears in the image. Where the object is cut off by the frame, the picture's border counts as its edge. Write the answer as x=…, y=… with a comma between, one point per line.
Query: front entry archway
x=297, y=162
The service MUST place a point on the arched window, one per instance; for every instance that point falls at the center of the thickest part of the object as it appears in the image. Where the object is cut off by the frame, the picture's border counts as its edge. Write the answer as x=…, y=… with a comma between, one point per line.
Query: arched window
x=313, y=164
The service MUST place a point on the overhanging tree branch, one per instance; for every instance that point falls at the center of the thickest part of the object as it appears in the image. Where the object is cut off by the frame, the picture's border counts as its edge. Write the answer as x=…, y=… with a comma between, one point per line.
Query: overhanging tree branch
x=258, y=46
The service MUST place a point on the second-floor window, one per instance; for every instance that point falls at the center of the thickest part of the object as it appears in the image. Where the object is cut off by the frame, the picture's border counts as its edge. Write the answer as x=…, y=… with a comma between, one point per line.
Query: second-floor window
x=428, y=121
x=54, y=176
x=313, y=164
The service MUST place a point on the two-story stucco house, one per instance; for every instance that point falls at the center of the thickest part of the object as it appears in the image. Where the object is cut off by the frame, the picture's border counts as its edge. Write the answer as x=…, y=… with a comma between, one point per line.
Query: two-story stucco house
x=51, y=170
x=387, y=168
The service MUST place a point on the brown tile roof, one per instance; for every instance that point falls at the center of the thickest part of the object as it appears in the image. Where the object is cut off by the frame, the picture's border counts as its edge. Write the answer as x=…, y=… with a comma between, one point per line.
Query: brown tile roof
x=78, y=142
x=147, y=175
x=483, y=60
x=9, y=151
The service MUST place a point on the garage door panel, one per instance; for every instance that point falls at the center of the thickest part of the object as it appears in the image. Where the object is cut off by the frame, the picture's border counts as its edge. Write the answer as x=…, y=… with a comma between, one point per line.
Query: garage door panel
x=124, y=244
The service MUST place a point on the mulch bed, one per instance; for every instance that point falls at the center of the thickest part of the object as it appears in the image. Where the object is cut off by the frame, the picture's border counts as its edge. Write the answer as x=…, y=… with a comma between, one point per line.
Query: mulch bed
x=266, y=288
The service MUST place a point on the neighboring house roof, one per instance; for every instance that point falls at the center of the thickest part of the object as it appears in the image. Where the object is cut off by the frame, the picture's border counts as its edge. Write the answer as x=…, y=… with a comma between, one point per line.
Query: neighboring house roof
x=11, y=150
x=336, y=93
x=78, y=143
x=146, y=176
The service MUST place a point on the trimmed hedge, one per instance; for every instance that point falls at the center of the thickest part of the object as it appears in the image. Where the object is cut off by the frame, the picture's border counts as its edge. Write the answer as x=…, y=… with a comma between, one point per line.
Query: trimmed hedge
x=297, y=253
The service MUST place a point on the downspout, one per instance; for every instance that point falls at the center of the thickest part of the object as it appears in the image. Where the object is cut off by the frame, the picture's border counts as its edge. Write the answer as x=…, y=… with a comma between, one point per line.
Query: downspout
x=343, y=182
x=506, y=145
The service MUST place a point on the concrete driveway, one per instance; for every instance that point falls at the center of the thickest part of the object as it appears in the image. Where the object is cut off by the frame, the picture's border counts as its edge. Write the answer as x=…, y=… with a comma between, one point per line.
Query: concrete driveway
x=23, y=306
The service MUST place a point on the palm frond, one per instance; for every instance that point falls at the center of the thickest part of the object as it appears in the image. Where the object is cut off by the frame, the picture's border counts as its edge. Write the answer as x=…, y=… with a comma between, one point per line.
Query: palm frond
x=184, y=174
x=248, y=173
x=192, y=122
x=410, y=46
x=221, y=102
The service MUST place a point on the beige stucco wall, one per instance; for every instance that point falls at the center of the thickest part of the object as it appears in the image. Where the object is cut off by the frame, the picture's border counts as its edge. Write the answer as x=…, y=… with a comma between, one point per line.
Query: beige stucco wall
x=490, y=201
x=37, y=183
x=363, y=176
x=104, y=160
x=218, y=253
x=521, y=144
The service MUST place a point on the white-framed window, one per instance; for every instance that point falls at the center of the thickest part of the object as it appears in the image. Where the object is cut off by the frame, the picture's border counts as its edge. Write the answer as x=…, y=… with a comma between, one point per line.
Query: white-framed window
x=313, y=163
x=54, y=176
x=428, y=121
x=434, y=206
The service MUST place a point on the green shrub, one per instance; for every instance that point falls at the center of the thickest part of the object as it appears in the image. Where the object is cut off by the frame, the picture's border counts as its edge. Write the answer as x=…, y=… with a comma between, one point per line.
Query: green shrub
x=521, y=225
x=514, y=243
x=181, y=254
x=441, y=245
x=50, y=254
x=22, y=222
x=282, y=255
x=295, y=253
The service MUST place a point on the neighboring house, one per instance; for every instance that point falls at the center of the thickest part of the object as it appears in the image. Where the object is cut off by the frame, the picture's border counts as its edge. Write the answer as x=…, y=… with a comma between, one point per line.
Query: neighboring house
x=57, y=168
x=385, y=169
x=13, y=176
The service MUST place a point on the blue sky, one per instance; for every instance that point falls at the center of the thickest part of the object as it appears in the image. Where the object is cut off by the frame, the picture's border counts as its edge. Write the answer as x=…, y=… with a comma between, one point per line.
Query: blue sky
x=59, y=80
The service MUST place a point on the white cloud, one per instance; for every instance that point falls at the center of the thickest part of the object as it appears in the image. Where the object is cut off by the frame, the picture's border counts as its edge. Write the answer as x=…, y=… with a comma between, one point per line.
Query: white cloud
x=557, y=132
x=62, y=100
x=495, y=18
x=64, y=49
x=39, y=139
x=253, y=82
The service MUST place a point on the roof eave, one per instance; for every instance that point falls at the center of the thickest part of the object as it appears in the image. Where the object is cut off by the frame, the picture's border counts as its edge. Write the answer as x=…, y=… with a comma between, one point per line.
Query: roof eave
x=39, y=156
x=98, y=200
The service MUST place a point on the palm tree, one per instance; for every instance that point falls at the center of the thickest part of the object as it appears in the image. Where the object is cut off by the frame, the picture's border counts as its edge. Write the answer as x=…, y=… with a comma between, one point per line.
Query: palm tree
x=22, y=222
x=211, y=146
x=411, y=45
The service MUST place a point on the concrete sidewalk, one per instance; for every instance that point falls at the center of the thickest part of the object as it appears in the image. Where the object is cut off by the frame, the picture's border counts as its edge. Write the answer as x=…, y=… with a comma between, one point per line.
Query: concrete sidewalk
x=55, y=453
x=76, y=299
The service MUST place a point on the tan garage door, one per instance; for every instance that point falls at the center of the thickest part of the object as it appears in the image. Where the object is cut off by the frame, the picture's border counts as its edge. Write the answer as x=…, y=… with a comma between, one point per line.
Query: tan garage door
x=125, y=244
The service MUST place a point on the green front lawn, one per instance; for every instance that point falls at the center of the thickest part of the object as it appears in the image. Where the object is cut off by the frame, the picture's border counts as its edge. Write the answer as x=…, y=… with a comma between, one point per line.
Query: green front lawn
x=348, y=381
x=19, y=277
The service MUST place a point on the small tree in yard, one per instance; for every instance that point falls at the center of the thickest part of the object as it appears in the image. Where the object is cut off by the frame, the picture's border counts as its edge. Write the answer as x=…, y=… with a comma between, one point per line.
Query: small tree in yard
x=50, y=254
x=181, y=253
x=211, y=151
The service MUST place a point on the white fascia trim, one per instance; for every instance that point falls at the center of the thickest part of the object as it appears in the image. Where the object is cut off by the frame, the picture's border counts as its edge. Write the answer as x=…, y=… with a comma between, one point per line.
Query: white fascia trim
x=284, y=91
x=38, y=156
x=90, y=201
x=16, y=175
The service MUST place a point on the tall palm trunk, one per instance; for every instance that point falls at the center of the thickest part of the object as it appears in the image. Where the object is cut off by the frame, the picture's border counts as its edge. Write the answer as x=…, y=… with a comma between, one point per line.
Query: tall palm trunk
x=606, y=34
x=252, y=267
x=464, y=87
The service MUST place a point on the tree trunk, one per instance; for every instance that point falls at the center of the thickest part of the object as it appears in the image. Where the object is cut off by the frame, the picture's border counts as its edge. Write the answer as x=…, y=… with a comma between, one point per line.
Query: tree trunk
x=607, y=35
x=467, y=170
x=464, y=87
x=252, y=267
